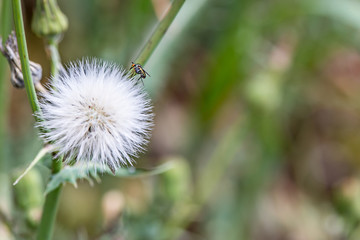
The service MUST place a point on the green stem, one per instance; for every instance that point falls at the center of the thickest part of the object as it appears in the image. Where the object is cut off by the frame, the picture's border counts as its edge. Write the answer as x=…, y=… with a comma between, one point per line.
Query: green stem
x=24, y=58
x=48, y=217
x=52, y=199
x=52, y=47
x=159, y=32
x=49, y=214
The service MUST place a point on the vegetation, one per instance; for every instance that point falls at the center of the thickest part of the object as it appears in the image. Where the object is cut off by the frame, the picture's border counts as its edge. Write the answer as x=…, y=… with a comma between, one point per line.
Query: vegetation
x=255, y=129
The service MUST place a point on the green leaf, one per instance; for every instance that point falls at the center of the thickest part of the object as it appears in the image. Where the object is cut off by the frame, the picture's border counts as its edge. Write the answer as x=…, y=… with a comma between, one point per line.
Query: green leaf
x=72, y=173
x=39, y=156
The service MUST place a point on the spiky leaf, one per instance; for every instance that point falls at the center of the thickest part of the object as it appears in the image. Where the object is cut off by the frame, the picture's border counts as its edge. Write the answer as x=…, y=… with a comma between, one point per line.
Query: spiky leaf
x=72, y=173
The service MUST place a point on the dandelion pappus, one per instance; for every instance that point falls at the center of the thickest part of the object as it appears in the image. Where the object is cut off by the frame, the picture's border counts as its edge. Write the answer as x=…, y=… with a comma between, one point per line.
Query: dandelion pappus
x=139, y=70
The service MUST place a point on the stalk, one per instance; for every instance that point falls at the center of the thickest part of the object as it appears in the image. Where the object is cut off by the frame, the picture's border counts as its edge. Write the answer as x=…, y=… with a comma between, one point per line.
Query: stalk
x=24, y=58
x=52, y=48
x=159, y=32
x=52, y=199
x=48, y=217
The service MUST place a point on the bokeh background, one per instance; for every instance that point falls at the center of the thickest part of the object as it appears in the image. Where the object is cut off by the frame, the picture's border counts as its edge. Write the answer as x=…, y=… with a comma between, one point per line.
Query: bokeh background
x=256, y=102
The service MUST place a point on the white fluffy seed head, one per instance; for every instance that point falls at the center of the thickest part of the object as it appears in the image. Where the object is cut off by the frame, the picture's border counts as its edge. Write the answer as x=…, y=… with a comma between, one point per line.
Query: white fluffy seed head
x=96, y=113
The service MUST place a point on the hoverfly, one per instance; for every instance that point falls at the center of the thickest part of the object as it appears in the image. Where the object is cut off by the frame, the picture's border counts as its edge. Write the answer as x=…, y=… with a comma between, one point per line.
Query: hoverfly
x=139, y=70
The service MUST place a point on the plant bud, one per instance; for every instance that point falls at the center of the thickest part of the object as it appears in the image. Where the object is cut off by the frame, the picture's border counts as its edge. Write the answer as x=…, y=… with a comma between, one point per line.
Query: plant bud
x=48, y=20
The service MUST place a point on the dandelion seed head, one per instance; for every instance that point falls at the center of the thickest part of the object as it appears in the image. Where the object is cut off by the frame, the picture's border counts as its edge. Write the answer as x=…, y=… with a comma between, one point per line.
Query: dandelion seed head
x=96, y=113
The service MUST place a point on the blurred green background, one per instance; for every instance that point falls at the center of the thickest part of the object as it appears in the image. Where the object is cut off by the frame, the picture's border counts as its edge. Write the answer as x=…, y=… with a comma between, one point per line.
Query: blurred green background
x=256, y=101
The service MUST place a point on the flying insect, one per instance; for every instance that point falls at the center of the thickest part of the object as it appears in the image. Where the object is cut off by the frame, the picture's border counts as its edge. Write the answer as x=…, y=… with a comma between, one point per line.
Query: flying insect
x=139, y=70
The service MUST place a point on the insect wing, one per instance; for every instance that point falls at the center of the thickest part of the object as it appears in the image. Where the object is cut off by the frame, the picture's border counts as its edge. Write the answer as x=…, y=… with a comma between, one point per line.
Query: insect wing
x=147, y=73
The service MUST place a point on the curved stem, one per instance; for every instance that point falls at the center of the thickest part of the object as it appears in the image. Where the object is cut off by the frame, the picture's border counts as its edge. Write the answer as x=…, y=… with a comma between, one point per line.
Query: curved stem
x=52, y=47
x=24, y=58
x=159, y=32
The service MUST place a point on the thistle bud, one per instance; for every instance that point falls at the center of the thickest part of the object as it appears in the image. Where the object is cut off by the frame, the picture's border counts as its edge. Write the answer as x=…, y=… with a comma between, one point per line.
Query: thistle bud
x=10, y=52
x=48, y=20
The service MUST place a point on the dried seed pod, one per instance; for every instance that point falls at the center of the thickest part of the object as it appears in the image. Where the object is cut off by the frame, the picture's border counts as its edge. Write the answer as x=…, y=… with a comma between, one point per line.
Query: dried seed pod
x=96, y=113
x=10, y=52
